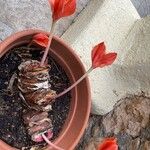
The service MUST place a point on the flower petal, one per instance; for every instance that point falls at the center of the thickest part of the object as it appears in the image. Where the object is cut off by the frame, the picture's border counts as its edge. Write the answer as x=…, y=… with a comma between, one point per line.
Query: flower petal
x=108, y=144
x=107, y=59
x=62, y=8
x=69, y=7
x=97, y=53
x=100, y=58
x=40, y=39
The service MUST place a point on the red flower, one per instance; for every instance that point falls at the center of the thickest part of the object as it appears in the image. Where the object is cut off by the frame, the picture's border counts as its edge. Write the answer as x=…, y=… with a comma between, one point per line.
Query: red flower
x=62, y=8
x=108, y=144
x=40, y=39
x=100, y=58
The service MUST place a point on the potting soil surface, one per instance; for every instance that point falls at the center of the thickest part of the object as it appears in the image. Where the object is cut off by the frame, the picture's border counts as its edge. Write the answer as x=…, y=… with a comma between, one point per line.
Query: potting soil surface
x=12, y=129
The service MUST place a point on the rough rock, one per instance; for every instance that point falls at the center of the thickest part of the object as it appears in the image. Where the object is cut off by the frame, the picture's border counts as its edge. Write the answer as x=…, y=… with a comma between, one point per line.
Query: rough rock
x=134, y=144
x=146, y=145
x=132, y=110
x=131, y=116
x=90, y=139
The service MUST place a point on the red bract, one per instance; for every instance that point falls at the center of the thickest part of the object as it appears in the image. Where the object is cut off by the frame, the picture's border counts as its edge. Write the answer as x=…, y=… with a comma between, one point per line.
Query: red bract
x=108, y=144
x=41, y=39
x=100, y=58
x=62, y=8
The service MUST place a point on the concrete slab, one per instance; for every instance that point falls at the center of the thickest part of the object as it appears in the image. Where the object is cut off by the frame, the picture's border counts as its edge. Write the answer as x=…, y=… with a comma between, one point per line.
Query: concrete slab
x=109, y=21
x=5, y=31
x=24, y=14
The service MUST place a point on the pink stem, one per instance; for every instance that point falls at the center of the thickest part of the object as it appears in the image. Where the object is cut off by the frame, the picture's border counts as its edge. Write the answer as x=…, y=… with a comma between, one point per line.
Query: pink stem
x=48, y=45
x=75, y=84
x=50, y=143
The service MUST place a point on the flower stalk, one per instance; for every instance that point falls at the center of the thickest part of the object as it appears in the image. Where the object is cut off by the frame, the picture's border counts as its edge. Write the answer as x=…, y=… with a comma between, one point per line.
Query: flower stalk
x=50, y=143
x=49, y=44
x=60, y=9
x=100, y=59
x=75, y=84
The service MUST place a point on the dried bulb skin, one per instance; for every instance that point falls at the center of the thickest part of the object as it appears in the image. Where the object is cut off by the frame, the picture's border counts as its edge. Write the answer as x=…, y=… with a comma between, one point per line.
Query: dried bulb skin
x=37, y=122
x=33, y=82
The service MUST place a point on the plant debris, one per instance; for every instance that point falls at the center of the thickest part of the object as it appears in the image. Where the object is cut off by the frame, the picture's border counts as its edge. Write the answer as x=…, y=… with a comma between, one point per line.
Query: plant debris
x=34, y=84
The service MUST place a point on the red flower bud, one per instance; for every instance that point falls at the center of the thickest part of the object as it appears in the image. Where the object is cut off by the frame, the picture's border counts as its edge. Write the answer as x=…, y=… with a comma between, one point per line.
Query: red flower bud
x=100, y=58
x=41, y=39
x=108, y=144
x=62, y=8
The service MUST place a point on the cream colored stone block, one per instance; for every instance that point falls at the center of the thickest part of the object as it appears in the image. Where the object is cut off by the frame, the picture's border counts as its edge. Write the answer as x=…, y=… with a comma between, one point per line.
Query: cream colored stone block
x=109, y=21
x=133, y=74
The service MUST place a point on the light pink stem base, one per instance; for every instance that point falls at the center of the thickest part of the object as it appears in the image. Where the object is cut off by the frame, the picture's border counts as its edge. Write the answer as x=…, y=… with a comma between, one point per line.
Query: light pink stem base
x=75, y=84
x=50, y=143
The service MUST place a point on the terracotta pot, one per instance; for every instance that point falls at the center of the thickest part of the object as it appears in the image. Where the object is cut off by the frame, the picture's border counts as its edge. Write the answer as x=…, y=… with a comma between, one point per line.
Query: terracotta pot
x=81, y=100
x=4, y=146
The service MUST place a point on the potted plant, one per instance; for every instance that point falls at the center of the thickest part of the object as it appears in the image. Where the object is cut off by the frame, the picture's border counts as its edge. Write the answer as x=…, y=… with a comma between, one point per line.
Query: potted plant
x=40, y=56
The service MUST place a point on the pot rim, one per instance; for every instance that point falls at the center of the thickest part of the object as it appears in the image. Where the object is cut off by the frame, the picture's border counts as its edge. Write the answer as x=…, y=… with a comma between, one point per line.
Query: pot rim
x=13, y=37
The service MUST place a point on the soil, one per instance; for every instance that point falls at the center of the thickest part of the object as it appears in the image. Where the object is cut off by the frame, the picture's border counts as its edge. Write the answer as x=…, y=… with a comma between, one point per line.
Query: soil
x=12, y=128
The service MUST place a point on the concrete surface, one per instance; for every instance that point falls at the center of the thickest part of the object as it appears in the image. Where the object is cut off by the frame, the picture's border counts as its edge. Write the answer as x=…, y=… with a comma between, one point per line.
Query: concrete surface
x=24, y=14
x=109, y=21
x=5, y=31
x=142, y=6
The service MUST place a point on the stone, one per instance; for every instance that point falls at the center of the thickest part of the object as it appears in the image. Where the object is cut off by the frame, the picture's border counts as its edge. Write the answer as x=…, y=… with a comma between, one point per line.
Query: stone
x=110, y=21
x=91, y=145
x=5, y=31
x=134, y=144
x=130, y=117
x=26, y=14
x=146, y=145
